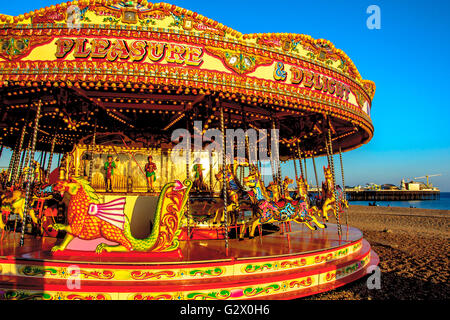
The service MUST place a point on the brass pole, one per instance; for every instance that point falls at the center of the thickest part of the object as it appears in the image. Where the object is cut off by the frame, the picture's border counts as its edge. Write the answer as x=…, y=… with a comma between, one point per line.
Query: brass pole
x=306, y=171
x=188, y=175
x=91, y=162
x=315, y=173
x=295, y=168
x=330, y=148
x=17, y=158
x=344, y=194
x=300, y=160
x=277, y=159
x=27, y=193
x=50, y=158
x=224, y=180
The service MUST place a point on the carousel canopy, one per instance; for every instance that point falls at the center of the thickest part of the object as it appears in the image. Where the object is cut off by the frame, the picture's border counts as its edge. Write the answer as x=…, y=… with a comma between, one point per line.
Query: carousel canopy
x=144, y=69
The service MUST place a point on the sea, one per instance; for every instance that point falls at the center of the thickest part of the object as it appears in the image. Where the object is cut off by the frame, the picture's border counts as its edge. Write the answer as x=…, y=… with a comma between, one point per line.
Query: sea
x=443, y=203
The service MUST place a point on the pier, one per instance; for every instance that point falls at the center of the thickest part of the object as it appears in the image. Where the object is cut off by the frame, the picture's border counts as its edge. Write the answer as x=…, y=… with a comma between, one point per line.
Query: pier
x=392, y=195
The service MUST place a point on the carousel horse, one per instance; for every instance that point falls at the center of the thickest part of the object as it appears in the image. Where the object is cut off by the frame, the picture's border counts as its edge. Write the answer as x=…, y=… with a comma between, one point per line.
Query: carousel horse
x=267, y=211
x=199, y=185
x=302, y=194
x=13, y=201
x=88, y=219
x=342, y=202
x=233, y=190
x=275, y=189
x=286, y=182
x=302, y=189
x=37, y=176
x=328, y=196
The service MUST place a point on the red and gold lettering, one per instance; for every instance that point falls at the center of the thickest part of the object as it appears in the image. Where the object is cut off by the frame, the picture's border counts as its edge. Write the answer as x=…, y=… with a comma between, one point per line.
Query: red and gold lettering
x=193, y=56
x=296, y=75
x=118, y=49
x=347, y=92
x=317, y=84
x=63, y=47
x=309, y=79
x=156, y=51
x=99, y=48
x=339, y=90
x=174, y=53
x=325, y=84
x=80, y=48
x=331, y=84
x=138, y=50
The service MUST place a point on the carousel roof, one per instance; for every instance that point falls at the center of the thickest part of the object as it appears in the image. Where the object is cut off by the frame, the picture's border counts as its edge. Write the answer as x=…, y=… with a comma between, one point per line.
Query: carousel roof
x=144, y=69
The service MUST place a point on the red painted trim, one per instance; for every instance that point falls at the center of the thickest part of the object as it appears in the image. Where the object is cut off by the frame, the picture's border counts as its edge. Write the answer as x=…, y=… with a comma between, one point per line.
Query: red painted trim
x=163, y=264
x=134, y=254
x=141, y=286
x=374, y=260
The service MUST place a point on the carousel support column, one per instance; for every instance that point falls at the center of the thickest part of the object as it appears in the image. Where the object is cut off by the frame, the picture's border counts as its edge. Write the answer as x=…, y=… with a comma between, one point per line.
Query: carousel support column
x=11, y=161
x=27, y=163
x=277, y=158
x=161, y=181
x=296, y=177
x=306, y=170
x=17, y=158
x=50, y=158
x=319, y=193
x=91, y=162
x=224, y=180
x=271, y=163
x=188, y=175
x=26, y=158
x=167, y=165
x=27, y=193
x=246, y=149
x=300, y=160
x=210, y=172
x=40, y=159
x=43, y=160
x=343, y=187
x=330, y=151
x=295, y=168
x=24, y=153
x=241, y=178
x=9, y=174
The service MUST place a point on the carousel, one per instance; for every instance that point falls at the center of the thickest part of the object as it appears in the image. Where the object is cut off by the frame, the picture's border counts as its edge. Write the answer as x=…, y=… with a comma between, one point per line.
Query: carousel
x=142, y=138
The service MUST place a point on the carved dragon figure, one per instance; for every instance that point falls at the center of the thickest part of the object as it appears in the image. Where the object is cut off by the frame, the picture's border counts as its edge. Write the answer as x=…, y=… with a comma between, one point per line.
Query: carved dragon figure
x=90, y=220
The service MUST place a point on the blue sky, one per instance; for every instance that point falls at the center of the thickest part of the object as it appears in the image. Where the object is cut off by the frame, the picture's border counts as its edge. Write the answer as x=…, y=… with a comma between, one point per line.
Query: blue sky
x=407, y=59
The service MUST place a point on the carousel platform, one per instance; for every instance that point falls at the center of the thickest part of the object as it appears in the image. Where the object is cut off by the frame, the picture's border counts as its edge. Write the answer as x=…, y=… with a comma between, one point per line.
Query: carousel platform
x=273, y=266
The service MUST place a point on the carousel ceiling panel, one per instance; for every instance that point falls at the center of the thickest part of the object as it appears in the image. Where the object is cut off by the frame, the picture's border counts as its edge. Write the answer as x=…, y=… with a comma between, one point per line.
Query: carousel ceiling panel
x=144, y=69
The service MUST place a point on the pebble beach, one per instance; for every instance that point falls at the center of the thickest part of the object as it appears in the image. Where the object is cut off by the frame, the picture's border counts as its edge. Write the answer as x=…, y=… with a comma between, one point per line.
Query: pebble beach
x=413, y=246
